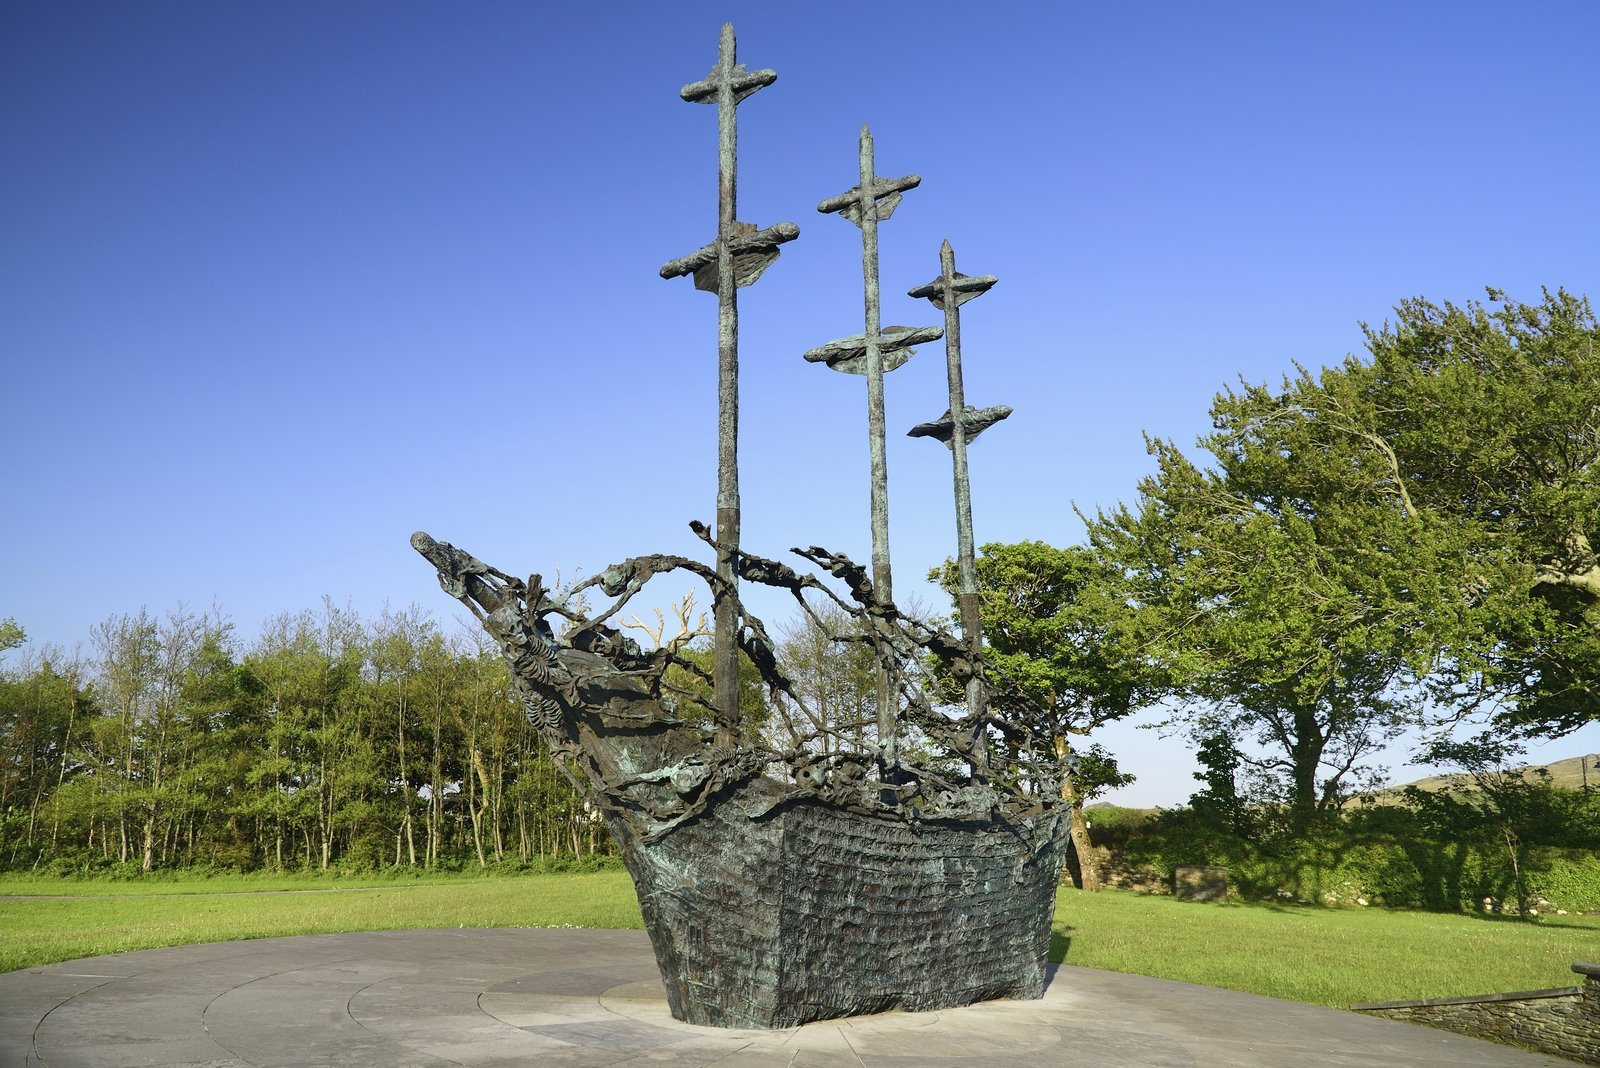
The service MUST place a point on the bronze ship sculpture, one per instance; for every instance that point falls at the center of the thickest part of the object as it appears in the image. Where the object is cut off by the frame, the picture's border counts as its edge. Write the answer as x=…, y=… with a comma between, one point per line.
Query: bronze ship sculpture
x=808, y=870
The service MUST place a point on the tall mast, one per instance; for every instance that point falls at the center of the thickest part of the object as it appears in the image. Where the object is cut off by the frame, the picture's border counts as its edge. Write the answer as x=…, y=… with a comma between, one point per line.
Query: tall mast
x=949, y=291
x=874, y=353
x=735, y=259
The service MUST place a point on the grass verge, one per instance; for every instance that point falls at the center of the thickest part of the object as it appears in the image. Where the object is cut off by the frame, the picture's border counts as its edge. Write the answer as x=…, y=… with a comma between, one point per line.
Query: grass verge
x=1322, y=956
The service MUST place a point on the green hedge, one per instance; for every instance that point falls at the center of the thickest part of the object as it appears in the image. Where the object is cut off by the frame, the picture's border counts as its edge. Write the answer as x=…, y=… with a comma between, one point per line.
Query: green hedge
x=1373, y=857
x=1571, y=882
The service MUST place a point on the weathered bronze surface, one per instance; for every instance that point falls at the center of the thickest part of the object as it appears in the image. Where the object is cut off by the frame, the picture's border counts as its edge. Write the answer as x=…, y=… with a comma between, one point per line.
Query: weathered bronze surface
x=809, y=868
x=784, y=878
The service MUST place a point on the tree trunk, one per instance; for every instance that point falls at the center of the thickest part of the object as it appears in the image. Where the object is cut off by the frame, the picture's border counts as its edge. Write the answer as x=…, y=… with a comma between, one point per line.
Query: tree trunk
x=1088, y=861
x=1087, y=873
x=474, y=812
x=1514, y=851
x=496, y=806
x=33, y=812
x=405, y=787
x=1307, y=755
x=436, y=792
x=477, y=794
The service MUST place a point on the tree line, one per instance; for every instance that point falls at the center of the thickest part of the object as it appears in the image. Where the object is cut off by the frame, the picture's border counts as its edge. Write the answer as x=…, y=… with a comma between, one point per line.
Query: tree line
x=327, y=741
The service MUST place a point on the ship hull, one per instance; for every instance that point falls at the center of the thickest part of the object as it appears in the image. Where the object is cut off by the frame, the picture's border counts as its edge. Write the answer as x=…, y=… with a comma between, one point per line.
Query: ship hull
x=812, y=912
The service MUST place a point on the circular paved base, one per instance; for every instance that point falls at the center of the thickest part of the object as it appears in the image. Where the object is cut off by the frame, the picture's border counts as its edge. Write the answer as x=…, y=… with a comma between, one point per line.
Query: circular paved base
x=426, y=999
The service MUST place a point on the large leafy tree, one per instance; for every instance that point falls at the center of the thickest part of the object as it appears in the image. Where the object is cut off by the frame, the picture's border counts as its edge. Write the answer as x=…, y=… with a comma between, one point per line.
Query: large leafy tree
x=1290, y=593
x=1058, y=628
x=1490, y=417
x=1427, y=515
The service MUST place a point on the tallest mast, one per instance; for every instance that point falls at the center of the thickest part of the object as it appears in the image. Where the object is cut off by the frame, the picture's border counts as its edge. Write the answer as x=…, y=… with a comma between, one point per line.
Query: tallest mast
x=735, y=259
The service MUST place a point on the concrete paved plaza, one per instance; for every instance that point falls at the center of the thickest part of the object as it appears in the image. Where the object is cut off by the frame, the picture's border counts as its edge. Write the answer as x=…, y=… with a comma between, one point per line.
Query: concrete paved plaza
x=480, y=998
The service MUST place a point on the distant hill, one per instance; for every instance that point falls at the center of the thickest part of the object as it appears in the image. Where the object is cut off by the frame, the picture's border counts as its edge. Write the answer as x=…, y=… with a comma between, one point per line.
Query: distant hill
x=1568, y=773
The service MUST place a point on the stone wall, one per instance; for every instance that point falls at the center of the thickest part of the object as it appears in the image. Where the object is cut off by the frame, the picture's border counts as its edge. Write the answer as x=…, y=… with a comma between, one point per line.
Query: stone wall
x=1200, y=883
x=1565, y=1021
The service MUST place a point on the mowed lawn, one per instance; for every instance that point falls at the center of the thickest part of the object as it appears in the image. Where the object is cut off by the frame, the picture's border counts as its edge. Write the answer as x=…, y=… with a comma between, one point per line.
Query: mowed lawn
x=1333, y=957
x=1323, y=956
x=114, y=917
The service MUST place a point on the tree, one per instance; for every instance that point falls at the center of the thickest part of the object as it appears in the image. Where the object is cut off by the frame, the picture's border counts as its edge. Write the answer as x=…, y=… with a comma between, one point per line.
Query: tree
x=834, y=676
x=688, y=683
x=1059, y=630
x=142, y=754
x=395, y=645
x=1292, y=593
x=321, y=768
x=221, y=702
x=41, y=704
x=1220, y=802
x=11, y=635
x=1490, y=421
x=1425, y=517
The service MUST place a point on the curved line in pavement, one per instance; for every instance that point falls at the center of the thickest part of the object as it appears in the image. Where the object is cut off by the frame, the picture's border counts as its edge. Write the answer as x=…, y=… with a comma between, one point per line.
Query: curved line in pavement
x=204, y=1026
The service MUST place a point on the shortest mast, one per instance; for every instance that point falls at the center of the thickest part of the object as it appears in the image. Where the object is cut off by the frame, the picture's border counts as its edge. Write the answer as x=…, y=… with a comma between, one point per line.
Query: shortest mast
x=959, y=425
x=736, y=258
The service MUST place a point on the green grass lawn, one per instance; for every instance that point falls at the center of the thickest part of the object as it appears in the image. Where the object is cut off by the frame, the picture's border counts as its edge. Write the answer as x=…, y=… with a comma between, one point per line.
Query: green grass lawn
x=113, y=917
x=1323, y=956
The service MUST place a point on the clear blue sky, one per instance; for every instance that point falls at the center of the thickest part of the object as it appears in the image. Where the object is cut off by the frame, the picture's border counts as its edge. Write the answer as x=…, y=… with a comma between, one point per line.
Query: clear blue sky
x=281, y=283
